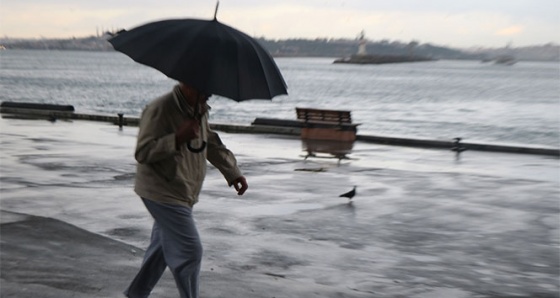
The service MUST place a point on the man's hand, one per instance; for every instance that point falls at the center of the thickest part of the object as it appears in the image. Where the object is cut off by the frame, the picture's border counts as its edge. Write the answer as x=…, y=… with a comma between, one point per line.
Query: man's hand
x=240, y=185
x=189, y=130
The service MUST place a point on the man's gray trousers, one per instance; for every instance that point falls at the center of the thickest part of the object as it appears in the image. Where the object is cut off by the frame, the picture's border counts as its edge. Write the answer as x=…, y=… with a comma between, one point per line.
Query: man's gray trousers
x=175, y=243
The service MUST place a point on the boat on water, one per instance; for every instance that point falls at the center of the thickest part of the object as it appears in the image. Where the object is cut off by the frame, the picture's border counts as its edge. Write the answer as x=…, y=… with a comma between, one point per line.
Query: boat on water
x=502, y=60
x=505, y=60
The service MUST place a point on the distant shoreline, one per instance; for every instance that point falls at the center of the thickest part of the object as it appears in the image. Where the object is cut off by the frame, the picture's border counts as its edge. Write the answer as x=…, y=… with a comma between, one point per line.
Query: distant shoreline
x=320, y=48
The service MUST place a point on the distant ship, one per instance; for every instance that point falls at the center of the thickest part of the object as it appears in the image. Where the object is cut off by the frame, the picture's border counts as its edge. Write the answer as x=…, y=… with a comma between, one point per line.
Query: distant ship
x=503, y=60
x=362, y=57
x=506, y=60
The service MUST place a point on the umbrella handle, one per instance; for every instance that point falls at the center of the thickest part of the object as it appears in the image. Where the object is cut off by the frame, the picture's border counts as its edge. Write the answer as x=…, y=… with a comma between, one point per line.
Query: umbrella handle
x=196, y=150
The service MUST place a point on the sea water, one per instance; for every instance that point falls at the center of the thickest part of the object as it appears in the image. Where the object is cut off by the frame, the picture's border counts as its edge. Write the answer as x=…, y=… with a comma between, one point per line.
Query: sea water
x=479, y=102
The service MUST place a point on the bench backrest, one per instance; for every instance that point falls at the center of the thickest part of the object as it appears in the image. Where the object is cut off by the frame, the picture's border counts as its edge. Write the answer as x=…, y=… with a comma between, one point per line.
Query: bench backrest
x=334, y=116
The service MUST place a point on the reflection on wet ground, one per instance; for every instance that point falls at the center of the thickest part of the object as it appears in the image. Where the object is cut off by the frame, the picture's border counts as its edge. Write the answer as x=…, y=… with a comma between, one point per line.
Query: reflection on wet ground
x=421, y=225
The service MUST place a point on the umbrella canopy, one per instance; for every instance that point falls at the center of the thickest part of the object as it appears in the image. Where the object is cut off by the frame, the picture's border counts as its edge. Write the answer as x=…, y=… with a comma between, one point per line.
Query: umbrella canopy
x=206, y=54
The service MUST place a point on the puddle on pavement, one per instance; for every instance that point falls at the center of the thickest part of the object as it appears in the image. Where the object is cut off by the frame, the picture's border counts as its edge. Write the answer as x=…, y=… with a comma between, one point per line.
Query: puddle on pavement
x=278, y=209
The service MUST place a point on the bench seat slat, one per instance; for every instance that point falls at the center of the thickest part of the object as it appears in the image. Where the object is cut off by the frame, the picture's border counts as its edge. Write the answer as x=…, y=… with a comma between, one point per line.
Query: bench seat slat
x=323, y=115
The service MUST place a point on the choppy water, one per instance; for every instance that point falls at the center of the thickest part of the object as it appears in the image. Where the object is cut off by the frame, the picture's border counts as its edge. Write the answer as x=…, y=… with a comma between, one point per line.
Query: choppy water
x=517, y=104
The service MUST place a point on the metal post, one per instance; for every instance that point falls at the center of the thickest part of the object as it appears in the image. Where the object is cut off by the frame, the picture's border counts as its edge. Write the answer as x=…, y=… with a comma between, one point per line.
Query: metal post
x=121, y=120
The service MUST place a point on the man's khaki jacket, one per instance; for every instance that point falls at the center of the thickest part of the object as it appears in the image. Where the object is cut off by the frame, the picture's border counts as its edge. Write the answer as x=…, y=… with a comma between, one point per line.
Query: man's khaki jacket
x=165, y=174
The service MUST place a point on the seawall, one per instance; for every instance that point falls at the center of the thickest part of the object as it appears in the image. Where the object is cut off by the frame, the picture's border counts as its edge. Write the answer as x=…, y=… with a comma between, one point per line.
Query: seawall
x=266, y=126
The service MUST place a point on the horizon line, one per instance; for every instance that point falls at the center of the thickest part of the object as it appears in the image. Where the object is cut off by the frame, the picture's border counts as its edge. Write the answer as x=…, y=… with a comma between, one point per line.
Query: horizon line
x=549, y=43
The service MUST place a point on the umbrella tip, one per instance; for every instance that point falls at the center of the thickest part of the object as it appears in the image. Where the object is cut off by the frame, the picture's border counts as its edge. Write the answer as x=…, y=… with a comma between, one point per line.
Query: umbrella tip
x=216, y=11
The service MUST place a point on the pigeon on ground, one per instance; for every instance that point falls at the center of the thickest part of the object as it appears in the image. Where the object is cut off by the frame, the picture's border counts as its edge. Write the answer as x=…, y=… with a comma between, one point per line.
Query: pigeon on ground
x=349, y=194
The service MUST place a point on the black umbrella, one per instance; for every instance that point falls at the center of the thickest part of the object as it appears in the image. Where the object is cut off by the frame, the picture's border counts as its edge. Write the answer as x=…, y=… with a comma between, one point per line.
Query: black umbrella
x=206, y=54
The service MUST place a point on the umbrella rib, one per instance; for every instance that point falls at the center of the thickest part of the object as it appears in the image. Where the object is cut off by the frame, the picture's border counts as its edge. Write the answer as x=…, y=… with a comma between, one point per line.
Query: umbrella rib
x=258, y=51
x=261, y=51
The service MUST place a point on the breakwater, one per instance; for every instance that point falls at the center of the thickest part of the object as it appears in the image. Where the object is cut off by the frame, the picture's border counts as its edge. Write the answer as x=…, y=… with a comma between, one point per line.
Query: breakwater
x=381, y=59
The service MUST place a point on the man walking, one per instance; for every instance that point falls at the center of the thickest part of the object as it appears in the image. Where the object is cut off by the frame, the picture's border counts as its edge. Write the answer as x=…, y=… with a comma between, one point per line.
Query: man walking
x=174, y=142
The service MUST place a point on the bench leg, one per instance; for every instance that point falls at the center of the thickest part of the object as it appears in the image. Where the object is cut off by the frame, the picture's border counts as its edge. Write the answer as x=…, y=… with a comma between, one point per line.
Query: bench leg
x=309, y=154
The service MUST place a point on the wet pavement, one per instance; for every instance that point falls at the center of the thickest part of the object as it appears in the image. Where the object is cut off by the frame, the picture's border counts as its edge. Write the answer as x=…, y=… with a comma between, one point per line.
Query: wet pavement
x=423, y=223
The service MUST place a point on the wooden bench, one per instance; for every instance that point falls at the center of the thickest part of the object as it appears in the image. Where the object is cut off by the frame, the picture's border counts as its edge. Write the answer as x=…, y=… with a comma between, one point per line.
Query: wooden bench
x=326, y=131
x=330, y=125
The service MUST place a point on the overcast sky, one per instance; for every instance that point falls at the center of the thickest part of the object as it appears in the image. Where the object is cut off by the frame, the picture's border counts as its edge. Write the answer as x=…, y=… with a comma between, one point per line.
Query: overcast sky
x=455, y=23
